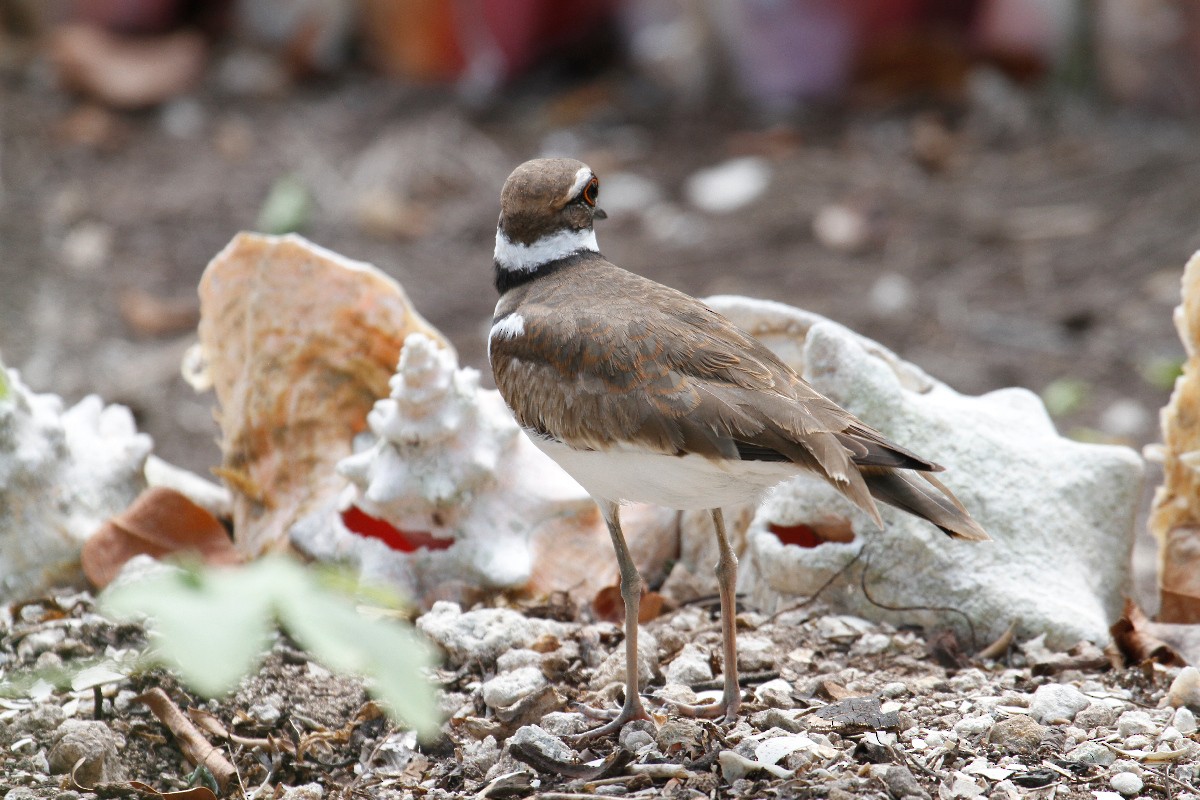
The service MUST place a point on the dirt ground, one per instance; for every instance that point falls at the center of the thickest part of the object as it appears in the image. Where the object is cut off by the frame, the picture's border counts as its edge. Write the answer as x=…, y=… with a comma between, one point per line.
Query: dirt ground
x=1015, y=239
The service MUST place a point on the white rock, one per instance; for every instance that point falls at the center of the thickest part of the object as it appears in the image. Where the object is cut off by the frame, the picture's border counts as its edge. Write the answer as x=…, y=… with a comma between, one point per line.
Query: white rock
x=1184, y=721
x=1098, y=795
x=728, y=186
x=1126, y=783
x=516, y=658
x=484, y=633
x=1133, y=722
x=974, y=727
x=691, y=666
x=755, y=653
x=775, y=693
x=1057, y=509
x=777, y=748
x=735, y=766
x=545, y=743
x=1056, y=703
x=564, y=723
x=1185, y=690
x=306, y=791
x=510, y=687
x=62, y=474
x=960, y=785
x=89, y=750
x=892, y=293
x=1092, y=753
x=612, y=669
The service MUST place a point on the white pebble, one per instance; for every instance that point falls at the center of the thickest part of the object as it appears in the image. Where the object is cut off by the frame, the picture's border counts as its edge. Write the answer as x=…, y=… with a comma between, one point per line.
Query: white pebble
x=1184, y=721
x=728, y=186
x=1126, y=783
x=1132, y=722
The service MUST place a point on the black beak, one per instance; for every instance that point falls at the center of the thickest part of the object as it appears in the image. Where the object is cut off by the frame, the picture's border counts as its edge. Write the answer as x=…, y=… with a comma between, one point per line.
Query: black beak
x=599, y=213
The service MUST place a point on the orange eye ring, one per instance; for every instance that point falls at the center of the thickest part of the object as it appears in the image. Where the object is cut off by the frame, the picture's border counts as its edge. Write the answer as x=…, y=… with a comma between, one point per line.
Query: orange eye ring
x=591, y=192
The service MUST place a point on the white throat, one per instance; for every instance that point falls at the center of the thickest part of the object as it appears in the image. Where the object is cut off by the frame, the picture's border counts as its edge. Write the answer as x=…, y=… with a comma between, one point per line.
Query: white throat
x=516, y=257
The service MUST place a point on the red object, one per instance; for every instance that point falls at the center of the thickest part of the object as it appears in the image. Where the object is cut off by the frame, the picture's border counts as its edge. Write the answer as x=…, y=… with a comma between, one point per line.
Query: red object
x=358, y=521
x=799, y=535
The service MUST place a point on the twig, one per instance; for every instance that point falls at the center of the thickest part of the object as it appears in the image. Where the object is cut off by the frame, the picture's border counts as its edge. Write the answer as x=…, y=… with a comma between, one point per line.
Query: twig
x=887, y=607
x=195, y=747
x=820, y=589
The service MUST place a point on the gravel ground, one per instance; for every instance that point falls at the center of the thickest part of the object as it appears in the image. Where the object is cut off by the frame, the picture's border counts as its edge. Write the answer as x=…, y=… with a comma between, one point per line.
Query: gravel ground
x=836, y=707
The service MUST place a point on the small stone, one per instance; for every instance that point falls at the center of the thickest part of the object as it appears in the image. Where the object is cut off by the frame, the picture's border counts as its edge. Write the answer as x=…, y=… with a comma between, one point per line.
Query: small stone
x=894, y=689
x=564, y=723
x=40, y=642
x=1097, y=715
x=974, y=727
x=1126, y=783
x=755, y=653
x=679, y=734
x=516, y=658
x=267, y=712
x=305, y=791
x=1056, y=703
x=1092, y=753
x=1139, y=741
x=775, y=694
x=635, y=737
x=536, y=737
x=1132, y=722
x=20, y=793
x=691, y=666
x=728, y=186
x=1185, y=690
x=38, y=721
x=969, y=680
x=484, y=633
x=1017, y=734
x=900, y=783
x=1184, y=721
x=612, y=669
x=478, y=757
x=92, y=742
x=509, y=687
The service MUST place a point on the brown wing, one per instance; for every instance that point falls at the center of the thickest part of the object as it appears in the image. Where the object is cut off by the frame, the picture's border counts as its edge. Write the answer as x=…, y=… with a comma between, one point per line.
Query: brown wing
x=640, y=362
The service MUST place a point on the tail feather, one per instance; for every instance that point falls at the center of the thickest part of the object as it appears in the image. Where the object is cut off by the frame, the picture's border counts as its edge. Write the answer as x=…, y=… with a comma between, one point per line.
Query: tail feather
x=904, y=491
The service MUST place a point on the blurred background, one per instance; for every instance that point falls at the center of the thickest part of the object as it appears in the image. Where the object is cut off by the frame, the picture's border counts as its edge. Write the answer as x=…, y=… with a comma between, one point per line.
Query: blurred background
x=1002, y=191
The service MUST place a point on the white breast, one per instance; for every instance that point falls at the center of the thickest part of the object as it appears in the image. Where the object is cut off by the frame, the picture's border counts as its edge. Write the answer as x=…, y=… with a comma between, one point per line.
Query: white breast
x=682, y=482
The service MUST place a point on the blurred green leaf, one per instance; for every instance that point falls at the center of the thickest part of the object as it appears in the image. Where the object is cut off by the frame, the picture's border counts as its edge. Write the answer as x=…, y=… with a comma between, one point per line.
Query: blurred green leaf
x=4, y=388
x=1066, y=395
x=213, y=626
x=286, y=208
x=1161, y=371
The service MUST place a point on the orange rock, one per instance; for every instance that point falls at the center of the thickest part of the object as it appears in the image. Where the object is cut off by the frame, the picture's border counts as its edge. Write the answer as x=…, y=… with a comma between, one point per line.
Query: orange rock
x=298, y=343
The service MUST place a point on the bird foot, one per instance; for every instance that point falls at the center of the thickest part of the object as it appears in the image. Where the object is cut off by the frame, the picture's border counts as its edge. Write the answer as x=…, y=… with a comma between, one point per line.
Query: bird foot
x=726, y=710
x=617, y=718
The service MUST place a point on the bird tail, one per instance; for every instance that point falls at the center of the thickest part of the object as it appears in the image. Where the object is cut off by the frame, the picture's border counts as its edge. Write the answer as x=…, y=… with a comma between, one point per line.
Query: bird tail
x=903, y=490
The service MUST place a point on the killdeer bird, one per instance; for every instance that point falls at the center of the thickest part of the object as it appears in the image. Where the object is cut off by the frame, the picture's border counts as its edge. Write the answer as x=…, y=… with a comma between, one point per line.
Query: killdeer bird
x=642, y=393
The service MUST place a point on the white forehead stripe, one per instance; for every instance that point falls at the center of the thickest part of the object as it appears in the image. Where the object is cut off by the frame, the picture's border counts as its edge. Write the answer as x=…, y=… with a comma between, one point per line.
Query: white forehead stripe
x=581, y=179
x=510, y=327
x=528, y=257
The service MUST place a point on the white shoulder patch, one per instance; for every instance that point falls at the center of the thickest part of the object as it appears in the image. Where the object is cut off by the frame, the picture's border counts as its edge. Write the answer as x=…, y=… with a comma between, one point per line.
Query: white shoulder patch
x=528, y=257
x=510, y=327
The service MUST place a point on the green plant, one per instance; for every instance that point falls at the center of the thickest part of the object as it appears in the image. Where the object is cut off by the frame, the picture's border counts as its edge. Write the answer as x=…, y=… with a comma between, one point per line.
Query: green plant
x=212, y=627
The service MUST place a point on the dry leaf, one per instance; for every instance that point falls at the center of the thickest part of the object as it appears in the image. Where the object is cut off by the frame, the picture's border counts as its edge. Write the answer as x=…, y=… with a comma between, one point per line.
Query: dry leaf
x=192, y=743
x=298, y=343
x=1133, y=635
x=814, y=534
x=195, y=793
x=160, y=522
x=608, y=605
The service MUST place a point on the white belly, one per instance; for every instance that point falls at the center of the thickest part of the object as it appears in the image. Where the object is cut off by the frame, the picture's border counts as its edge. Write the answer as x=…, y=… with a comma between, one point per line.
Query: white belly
x=682, y=482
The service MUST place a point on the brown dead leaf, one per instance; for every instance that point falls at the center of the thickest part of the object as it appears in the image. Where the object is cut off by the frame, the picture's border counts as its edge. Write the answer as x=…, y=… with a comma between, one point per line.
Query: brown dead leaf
x=608, y=605
x=1133, y=633
x=190, y=740
x=195, y=793
x=298, y=343
x=160, y=522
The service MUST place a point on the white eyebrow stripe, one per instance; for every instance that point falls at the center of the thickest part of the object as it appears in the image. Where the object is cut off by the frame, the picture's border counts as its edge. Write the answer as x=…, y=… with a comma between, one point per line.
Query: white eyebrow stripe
x=581, y=179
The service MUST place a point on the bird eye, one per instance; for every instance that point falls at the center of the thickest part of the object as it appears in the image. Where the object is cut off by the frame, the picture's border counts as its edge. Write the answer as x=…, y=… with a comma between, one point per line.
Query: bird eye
x=591, y=192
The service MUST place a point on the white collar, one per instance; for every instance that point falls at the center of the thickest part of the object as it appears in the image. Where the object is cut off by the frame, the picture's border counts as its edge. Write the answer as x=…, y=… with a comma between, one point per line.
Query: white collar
x=515, y=257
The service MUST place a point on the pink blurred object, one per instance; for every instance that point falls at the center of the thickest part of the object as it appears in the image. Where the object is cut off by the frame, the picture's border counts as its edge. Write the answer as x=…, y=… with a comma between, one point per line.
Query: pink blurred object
x=789, y=50
x=132, y=16
x=1034, y=31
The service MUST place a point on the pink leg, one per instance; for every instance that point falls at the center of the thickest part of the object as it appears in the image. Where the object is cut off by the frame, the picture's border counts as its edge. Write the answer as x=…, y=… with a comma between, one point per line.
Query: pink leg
x=631, y=593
